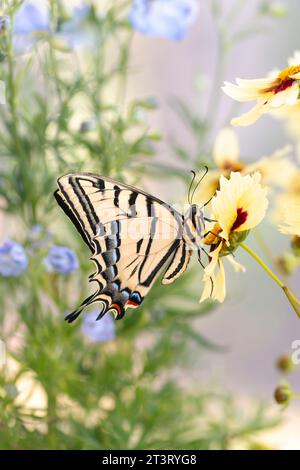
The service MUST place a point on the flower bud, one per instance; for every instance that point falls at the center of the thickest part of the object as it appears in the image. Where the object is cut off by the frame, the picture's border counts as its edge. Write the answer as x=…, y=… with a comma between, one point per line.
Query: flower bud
x=282, y=394
x=295, y=244
x=275, y=9
x=284, y=363
x=4, y=24
x=87, y=126
x=287, y=263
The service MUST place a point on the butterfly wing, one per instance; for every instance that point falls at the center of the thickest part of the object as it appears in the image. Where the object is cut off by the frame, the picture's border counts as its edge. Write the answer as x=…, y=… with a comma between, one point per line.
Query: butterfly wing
x=131, y=235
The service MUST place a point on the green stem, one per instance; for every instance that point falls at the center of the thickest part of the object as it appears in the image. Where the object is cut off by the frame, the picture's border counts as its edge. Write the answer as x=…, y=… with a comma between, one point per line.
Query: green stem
x=295, y=303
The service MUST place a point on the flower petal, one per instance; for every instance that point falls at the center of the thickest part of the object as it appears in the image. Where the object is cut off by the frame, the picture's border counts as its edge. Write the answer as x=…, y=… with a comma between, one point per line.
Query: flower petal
x=226, y=148
x=250, y=117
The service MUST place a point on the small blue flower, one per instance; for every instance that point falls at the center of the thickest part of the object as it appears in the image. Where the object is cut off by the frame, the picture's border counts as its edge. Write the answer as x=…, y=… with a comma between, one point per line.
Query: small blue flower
x=38, y=236
x=32, y=18
x=80, y=29
x=13, y=259
x=98, y=331
x=164, y=18
x=61, y=259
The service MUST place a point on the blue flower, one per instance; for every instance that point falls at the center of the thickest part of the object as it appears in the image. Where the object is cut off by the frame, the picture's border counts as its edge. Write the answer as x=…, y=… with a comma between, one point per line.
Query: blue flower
x=165, y=18
x=61, y=259
x=38, y=236
x=32, y=18
x=80, y=28
x=98, y=331
x=13, y=259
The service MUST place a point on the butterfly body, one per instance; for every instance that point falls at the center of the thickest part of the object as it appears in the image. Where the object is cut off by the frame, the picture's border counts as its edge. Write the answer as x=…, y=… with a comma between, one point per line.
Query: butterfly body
x=132, y=236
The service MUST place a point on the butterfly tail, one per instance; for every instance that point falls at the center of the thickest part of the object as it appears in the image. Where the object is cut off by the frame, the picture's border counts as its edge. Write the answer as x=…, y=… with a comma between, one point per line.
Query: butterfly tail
x=75, y=314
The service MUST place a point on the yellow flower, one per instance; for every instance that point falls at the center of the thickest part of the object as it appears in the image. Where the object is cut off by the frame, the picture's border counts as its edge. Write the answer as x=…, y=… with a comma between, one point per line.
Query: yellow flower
x=291, y=220
x=226, y=157
x=239, y=205
x=276, y=91
x=288, y=198
x=291, y=116
x=226, y=150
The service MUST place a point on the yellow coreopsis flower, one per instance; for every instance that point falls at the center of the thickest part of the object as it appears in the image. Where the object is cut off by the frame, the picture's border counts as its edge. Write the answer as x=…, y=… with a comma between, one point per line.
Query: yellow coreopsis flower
x=276, y=91
x=291, y=220
x=291, y=116
x=239, y=205
x=226, y=157
x=288, y=198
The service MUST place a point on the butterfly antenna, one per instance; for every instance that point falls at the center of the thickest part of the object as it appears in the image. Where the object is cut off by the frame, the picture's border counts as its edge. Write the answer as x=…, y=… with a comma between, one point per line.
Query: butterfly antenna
x=191, y=185
x=200, y=180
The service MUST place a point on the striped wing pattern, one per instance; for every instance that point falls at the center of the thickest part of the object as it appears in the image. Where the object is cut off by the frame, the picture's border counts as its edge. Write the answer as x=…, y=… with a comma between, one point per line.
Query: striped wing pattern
x=131, y=235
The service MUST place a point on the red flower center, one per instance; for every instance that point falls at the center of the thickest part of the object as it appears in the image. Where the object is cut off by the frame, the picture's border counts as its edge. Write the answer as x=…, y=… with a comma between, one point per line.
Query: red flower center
x=241, y=217
x=284, y=85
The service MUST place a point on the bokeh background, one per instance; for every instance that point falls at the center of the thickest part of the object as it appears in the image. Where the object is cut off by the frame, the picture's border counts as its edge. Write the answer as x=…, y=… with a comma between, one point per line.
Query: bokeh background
x=256, y=324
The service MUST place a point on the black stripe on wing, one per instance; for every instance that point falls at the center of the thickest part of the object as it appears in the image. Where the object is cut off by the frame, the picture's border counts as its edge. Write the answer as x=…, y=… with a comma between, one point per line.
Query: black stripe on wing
x=75, y=198
x=74, y=216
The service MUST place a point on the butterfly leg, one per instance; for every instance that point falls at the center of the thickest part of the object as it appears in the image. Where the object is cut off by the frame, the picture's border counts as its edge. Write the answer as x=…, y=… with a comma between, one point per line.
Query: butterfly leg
x=210, y=232
x=201, y=263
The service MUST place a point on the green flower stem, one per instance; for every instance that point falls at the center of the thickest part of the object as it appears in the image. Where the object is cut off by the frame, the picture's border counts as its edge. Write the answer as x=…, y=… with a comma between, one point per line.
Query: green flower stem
x=295, y=303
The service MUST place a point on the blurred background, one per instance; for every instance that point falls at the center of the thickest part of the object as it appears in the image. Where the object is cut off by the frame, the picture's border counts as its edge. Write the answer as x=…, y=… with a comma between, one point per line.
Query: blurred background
x=255, y=323
x=230, y=348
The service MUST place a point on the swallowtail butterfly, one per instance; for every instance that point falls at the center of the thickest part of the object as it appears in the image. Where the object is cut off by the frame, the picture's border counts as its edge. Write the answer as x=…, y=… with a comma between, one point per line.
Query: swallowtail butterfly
x=132, y=236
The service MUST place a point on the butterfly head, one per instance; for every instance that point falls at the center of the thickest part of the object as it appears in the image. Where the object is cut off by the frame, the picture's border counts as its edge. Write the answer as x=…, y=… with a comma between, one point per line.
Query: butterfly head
x=194, y=224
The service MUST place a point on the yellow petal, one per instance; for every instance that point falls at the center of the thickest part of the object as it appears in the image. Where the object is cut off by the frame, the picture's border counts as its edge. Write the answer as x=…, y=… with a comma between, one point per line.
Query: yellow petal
x=226, y=148
x=296, y=76
x=240, y=94
x=291, y=220
x=257, y=83
x=239, y=193
x=276, y=168
x=208, y=276
x=237, y=266
x=219, y=288
x=295, y=59
x=286, y=97
x=207, y=189
x=250, y=117
x=214, y=255
x=206, y=290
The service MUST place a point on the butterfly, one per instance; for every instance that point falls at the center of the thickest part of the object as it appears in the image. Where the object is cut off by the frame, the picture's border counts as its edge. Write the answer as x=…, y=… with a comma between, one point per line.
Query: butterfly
x=132, y=236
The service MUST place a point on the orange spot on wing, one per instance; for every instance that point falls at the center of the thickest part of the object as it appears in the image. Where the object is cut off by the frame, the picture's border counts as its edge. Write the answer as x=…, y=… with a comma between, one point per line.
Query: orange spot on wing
x=117, y=307
x=132, y=304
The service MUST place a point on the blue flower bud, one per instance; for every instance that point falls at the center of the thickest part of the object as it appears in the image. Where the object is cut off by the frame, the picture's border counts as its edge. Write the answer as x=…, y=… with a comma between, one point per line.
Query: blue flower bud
x=61, y=259
x=98, y=331
x=13, y=259
x=164, y=18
